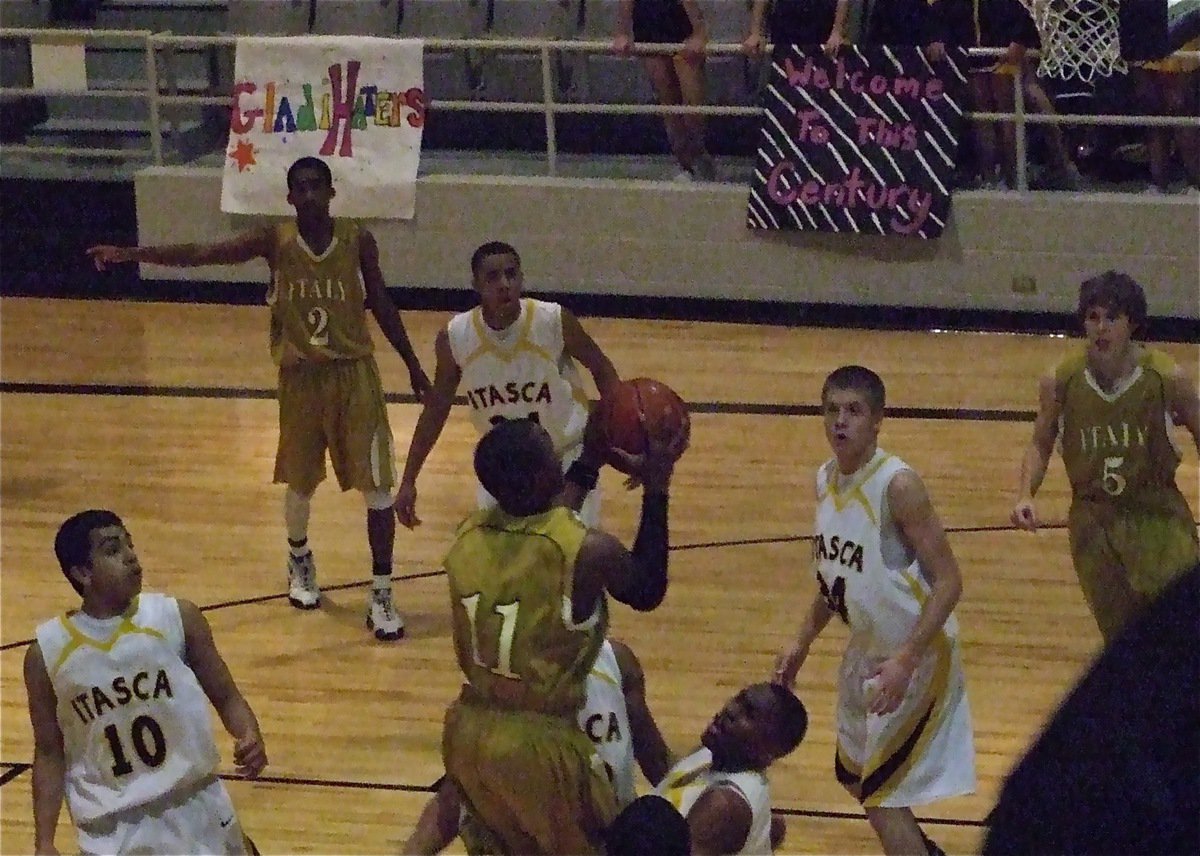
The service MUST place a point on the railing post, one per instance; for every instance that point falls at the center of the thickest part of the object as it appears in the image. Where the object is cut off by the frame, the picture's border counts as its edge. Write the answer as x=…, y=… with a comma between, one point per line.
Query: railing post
x=1021, y=138
x=548, y=103
x=156, y=146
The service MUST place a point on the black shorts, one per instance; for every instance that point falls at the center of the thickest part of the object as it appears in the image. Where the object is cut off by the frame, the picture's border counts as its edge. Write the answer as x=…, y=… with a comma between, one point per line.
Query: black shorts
x=802, y=22
x=660, y=21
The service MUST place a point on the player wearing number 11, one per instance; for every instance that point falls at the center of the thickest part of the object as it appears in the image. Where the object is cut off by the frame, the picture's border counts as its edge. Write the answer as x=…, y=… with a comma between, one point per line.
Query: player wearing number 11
x=324, y=276
x=117, y=699
x=1113, y=400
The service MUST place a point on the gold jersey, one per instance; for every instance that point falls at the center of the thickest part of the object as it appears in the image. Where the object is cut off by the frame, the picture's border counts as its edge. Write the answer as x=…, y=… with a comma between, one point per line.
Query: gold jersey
x=318, y=302
x=1117, y=445
x=510, y=596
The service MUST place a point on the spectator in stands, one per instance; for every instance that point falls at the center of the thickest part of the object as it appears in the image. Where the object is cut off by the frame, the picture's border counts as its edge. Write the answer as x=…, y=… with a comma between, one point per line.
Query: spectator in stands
x=678, y=79
x=1000, y=24
x=1170, y=85
x=793, y=22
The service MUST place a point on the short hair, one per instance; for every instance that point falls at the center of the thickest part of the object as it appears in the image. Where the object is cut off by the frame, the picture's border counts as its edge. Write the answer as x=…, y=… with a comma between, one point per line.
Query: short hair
x=73, y=543
x=792, y=720
x=508, y=462
x=648, y=826
x=315, y=164
x=858, y=379
x=1117, y=292
x=492, y=248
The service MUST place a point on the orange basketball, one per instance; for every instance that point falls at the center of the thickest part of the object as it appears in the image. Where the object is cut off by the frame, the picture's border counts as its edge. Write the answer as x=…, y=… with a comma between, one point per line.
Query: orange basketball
x=619, y=415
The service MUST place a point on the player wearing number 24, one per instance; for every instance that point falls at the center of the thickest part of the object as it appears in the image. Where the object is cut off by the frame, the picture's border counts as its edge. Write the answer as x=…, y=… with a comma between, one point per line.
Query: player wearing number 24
x=1113, y=400
x=324, y=275
x=117, y=698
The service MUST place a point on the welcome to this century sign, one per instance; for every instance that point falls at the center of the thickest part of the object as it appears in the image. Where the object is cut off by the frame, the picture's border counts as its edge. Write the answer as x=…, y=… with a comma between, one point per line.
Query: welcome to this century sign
x=865, y=142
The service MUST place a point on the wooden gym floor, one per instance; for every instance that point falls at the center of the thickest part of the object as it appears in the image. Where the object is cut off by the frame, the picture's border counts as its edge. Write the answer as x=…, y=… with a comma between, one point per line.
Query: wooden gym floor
x=164, y=413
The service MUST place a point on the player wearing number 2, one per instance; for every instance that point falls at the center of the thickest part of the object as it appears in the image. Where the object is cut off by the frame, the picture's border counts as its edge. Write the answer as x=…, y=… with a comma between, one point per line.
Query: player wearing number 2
x=885, y=568
x=1113, y=400
x=515, y=358
x=324, y=275
x=527, y=585
x=121, y=725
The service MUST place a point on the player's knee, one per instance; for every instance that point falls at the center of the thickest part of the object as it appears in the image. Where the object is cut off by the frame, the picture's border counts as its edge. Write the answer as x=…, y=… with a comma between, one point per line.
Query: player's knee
x=378, y=500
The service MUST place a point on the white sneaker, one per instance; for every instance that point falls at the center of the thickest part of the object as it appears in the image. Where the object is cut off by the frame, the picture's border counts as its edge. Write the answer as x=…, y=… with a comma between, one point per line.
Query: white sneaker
x=302, y=582
x=382, y=616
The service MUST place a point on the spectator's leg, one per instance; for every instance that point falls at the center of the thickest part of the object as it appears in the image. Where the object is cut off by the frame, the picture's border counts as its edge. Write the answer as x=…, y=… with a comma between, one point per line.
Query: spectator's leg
x=1002, y=98
x=661, y=71
x=690, y=75
x=1150, y=92
x=1181, y=92
x=1066, y=175
x=984, y=132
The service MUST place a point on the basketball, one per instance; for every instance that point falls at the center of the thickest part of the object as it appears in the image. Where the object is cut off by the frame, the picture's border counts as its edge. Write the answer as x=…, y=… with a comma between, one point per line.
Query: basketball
x=665, y=413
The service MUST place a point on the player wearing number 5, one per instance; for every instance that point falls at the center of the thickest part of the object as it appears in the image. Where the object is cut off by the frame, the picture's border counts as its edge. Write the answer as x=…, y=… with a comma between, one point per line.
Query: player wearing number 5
x=885, y=568
x=117, y=698
x=1113, y=400
x=527, y=587
x=324, y=276
x=516, y=359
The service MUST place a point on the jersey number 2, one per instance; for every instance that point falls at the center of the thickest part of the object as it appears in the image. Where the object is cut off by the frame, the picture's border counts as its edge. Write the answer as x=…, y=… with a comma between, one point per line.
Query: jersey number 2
x=148, y=741
x=508, y=629
x=318, y=317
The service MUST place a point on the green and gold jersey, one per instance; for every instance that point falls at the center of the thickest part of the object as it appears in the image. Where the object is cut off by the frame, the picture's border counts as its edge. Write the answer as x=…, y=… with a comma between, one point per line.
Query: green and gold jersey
x=1117, y=445
x=318, y=302
x=510, y=597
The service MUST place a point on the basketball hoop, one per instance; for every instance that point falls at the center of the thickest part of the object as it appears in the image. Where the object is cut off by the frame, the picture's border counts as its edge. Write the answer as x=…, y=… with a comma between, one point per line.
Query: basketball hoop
x=1080, y=38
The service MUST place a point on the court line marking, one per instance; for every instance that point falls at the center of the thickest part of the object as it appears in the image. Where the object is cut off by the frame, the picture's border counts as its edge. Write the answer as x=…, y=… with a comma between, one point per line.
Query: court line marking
x=16, y=769
x=967, y=414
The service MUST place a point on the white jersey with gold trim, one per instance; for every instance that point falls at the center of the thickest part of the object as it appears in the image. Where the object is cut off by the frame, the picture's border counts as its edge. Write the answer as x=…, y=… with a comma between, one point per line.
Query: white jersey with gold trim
x=135, y=722
x=924, y=750
x=521, y=372
x=605, y=720
x=691, y=777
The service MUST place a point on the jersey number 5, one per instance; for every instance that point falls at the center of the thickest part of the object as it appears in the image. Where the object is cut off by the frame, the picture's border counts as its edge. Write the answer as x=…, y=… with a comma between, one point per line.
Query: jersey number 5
x=508, y=629
x=1112, y=481
x=148, y=741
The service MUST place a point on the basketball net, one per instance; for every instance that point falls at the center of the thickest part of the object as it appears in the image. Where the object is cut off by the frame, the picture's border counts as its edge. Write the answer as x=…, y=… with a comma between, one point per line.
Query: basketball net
x=1080, y=38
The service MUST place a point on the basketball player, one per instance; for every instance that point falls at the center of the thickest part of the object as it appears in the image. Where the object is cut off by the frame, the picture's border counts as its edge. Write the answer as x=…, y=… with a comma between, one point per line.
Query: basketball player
x=527, y=587
x=614, y=716
x=721, y=788
x=885, y=568
x=515, y=356
x=1130, y=528
x=121, y=725
x=324, y=274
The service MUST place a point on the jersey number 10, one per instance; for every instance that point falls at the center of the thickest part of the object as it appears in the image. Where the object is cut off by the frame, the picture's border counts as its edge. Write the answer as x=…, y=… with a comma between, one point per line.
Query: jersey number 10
x=148, y=741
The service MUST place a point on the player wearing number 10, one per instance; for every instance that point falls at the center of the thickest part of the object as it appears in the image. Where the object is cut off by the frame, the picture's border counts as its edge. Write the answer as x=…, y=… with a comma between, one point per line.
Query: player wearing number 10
x=324, y=275
x=1130, y=528
x=121, y=724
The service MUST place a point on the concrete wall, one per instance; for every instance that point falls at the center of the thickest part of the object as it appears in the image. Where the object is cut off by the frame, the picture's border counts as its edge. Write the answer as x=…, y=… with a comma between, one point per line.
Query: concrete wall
x=1024, y=253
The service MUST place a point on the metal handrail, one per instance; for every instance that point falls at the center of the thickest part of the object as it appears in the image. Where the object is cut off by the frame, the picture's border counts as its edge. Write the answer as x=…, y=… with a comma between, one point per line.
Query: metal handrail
x=549, y=105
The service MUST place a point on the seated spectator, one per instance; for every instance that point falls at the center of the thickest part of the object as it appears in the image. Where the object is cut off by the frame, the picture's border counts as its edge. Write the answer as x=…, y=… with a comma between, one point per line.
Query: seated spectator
x=677, y=79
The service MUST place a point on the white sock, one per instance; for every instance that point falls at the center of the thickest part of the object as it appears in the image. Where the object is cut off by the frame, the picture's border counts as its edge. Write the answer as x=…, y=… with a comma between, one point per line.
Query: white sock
x=296, y=509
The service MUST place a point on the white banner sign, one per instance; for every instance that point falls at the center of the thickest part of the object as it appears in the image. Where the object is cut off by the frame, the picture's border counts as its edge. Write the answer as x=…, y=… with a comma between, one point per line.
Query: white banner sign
x=357, y=103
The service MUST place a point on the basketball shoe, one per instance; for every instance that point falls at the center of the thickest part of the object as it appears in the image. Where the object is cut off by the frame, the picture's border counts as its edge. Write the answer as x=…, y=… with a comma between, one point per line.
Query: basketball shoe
x=382, y=616
x=302, y=582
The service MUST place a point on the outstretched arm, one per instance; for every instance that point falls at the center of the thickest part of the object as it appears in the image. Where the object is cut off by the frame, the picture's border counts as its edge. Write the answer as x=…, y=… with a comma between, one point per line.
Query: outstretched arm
x=202, y=656
x=430, y=423
x=789, y=661
x=922, y=530
x=248, y=245
x=649, y=746
x=385, y=312
x=1037, y=454
x=582, y=347
x=49, y=762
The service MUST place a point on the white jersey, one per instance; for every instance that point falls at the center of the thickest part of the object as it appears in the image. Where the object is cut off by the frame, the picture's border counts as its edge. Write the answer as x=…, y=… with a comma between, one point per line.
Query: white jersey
x=135, y=722
x=521, y=372
x=924, y=750
x=690, y=778
x=864, y=570
x=605, y=720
